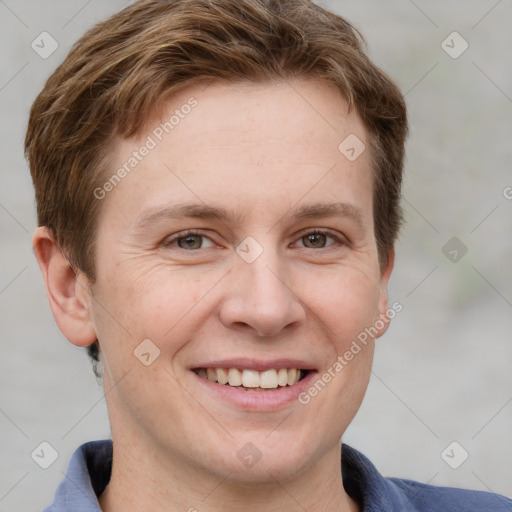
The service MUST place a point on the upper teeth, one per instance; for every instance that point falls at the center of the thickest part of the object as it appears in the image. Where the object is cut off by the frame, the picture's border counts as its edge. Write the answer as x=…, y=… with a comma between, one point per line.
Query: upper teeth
x=252, y=378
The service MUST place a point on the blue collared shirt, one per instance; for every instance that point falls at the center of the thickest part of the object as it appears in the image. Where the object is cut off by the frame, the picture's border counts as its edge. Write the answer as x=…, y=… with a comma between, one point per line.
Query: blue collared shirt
x=90, y=468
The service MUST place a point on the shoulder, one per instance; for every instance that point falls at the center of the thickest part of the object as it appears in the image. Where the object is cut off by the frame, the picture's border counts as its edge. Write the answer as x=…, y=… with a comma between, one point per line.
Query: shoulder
x=432, y=498
x=377, y=493
x=87, y=476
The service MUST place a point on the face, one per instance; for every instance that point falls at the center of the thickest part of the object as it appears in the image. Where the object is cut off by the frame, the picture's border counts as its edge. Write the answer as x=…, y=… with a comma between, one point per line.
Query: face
x=243, y=241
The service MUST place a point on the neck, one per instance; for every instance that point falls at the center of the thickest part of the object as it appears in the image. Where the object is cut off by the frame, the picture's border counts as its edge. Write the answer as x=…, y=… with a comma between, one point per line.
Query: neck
x=151, y=479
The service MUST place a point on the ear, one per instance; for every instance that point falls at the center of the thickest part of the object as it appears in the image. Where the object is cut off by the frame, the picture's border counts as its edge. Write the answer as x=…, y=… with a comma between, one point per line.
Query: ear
x=383, y=305
x=67, y=291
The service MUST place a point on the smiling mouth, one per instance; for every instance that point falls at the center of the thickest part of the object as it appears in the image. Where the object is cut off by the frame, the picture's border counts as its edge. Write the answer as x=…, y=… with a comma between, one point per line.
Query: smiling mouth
x=253, y=380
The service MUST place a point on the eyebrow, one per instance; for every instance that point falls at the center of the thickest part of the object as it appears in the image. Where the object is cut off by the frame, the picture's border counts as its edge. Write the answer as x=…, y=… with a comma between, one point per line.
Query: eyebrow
x=203, y=211
x=322, y=210
x=186, y=210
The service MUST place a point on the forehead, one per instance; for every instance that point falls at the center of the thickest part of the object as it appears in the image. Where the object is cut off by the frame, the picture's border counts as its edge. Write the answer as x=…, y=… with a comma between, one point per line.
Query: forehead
x=246, y=145
x=293, y=110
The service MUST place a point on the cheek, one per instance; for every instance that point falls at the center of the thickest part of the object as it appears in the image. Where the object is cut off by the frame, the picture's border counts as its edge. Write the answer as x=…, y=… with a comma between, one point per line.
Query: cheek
x=345, y=301
x=155, y=303
x=345, y=306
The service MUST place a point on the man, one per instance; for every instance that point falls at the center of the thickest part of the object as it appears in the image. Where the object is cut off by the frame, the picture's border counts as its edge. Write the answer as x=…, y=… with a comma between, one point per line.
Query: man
x=218, y=191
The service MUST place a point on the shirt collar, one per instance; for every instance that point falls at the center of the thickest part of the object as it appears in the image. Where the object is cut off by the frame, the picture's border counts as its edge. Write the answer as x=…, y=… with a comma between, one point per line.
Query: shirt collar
x=90, y=469
x=87, y=476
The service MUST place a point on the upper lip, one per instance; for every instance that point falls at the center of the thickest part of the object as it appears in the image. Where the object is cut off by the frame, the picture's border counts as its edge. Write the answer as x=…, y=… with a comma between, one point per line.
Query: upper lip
x=245, y=363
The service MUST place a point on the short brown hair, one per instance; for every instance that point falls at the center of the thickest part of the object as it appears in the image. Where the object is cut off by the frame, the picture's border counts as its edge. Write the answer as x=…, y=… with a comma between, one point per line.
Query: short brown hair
x=123, y=69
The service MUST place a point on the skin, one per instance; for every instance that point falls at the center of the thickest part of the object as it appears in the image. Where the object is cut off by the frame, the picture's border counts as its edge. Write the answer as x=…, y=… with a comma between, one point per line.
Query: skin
x=259, y=150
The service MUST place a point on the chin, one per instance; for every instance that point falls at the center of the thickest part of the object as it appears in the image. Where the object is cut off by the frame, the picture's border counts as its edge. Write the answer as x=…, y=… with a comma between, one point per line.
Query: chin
x=262, y=459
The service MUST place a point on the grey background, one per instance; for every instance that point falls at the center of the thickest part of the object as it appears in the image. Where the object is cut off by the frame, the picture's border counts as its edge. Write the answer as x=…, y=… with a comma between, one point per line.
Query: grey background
x=442, y=372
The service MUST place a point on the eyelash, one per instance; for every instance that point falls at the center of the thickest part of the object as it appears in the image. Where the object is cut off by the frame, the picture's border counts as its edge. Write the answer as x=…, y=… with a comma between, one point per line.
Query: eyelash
x=192, y=232
x=314, y=231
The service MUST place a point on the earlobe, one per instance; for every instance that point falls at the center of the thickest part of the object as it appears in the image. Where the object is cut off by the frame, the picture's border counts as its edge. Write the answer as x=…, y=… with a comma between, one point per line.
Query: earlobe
x=382, y=321
x=66, y=290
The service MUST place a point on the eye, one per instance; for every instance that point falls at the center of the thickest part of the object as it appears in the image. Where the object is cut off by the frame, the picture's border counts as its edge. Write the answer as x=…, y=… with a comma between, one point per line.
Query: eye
x=318, y=239
x=189, y=241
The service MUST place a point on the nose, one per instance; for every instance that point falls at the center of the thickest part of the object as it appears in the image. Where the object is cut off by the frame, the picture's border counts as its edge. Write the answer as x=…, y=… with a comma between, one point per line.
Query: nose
x=260, y=299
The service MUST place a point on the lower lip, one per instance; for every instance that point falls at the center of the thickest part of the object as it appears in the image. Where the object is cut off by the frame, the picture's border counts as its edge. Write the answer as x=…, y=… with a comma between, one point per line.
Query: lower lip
x=257, y=400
